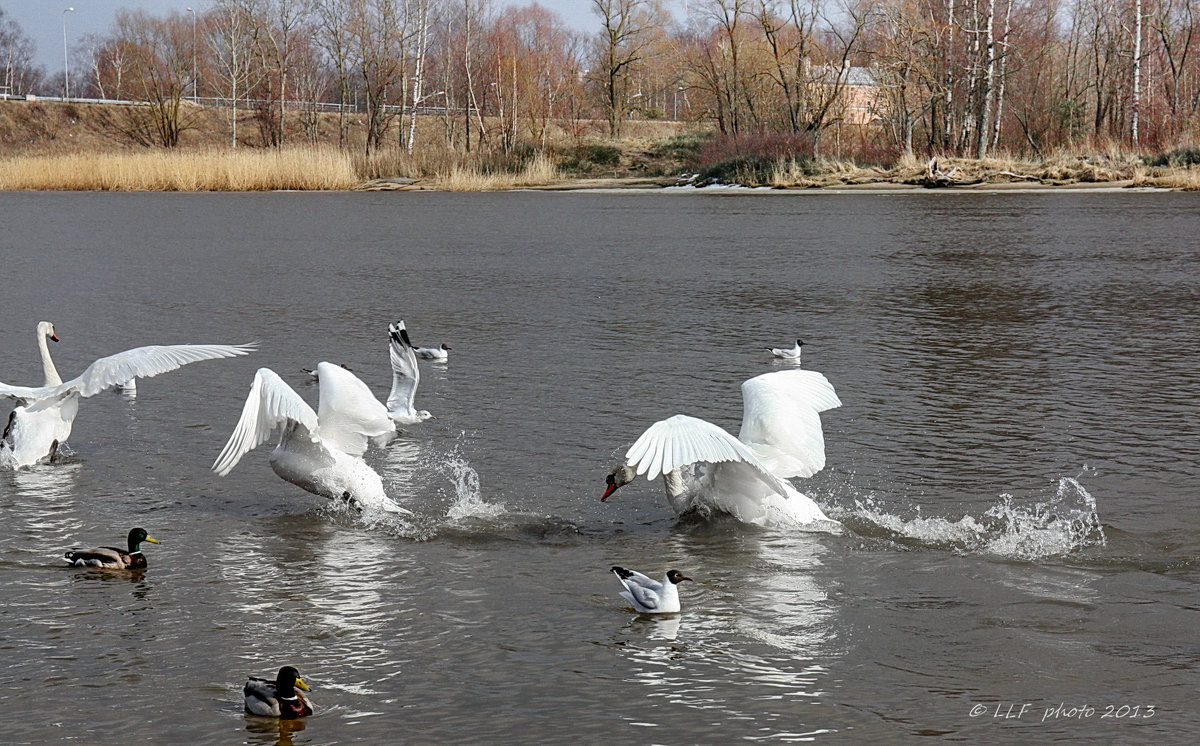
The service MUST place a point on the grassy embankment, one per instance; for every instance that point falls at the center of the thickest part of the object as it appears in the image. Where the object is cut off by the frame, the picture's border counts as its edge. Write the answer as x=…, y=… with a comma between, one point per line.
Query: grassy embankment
x=54, y=146
x=47, y=145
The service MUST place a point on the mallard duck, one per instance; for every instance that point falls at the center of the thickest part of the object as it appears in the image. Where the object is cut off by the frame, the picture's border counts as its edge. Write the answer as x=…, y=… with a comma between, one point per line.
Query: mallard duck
x=111, y=557
x=277, y=698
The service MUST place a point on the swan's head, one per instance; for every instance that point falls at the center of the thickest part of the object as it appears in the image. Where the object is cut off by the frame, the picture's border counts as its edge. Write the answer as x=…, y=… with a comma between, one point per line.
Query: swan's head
x=46, y=329
x=677, y=577
x=618, y=477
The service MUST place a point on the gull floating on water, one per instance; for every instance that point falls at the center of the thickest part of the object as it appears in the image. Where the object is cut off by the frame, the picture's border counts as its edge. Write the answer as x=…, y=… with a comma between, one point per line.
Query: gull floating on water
x=786, y=354
x=706, y=470
x=433, y=353
x=42, y=421
x=319, y=452
x=650, y=596
x=405, y=377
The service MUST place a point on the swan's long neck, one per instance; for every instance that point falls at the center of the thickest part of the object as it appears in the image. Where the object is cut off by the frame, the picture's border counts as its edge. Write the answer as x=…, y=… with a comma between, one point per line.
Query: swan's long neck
x=48, y=369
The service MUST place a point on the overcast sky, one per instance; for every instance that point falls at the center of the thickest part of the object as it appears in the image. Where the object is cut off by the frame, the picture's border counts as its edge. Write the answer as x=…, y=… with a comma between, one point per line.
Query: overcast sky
x=43, y=19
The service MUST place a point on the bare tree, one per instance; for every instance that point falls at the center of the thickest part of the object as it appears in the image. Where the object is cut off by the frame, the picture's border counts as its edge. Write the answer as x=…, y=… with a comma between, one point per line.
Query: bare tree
x=160, y=65
x=335, y=37
x=231, y=43
x=20, y=74
x=627, y=30
x=380, y=29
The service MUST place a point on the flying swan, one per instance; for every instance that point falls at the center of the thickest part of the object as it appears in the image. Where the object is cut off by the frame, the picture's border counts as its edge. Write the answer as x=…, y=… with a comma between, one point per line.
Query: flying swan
x=321, y=451
x=706, y=470
x=44, y=415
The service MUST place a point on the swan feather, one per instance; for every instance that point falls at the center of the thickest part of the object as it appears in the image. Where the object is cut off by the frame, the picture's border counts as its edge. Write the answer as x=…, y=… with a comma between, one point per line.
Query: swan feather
x=781, y=420
x=682, y=440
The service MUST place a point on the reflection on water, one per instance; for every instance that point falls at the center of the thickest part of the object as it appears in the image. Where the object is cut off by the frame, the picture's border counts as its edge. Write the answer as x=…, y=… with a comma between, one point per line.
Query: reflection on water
x=767, y=629
x=273, y=731
x=985, y=347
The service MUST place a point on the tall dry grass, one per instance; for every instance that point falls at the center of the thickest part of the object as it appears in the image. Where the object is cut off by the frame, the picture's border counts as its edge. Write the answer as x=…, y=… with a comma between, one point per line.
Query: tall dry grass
x=301, y=168
x=470, y=177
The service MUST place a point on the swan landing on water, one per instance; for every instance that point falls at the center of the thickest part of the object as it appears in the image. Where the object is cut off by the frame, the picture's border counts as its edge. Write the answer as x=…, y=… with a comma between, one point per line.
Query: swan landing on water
x=320, y=452
x=706, y=470
x=43, y=419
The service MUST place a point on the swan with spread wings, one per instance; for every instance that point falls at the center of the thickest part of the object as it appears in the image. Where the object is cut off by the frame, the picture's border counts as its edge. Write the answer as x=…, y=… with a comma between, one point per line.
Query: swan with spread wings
x=706, y=470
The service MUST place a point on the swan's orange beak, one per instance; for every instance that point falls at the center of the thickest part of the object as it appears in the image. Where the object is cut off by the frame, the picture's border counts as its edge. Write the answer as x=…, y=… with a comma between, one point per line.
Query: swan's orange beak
x=54, y=337
x=612, y=487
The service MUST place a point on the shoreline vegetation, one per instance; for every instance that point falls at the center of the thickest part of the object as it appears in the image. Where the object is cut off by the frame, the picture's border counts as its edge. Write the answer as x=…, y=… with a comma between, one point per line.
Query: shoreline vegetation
x=55, y=146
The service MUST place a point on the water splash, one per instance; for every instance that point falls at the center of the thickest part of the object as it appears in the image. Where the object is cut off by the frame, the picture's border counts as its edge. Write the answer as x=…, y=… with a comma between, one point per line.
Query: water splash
x=1066, y=522
x=468, y=498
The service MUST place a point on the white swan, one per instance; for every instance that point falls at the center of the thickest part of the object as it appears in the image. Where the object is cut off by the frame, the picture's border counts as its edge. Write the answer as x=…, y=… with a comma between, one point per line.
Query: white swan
x=786, y=354
x=650, y=596
x=320, y=452
x=42, y=421
x=433, y=353
x=706, y=470
x=405, y=377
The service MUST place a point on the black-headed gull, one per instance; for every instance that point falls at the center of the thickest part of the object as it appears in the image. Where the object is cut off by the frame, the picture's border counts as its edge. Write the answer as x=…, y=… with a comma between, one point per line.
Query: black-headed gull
x=707, y=470
x=405, y=377
x=320, y=452
x=45, y=414
x=433, y=353
x=786, y=354
x=650, y=596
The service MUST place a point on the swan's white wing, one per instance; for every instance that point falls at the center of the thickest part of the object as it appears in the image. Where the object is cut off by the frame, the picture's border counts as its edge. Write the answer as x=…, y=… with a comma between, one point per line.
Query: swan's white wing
x=681, y=440
x=144, y=362
x=23, y=394
x=405, y=373
x=349, y=413
x=781, y=420
x=270, y=405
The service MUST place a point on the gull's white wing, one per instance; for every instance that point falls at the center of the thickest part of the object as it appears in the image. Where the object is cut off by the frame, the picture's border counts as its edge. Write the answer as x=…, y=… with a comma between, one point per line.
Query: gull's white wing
x=143, y=362
x=681, y=440
x=270, y=405
x=781, y=420
x=405, y=373
x=647, y=591
x=349, y=414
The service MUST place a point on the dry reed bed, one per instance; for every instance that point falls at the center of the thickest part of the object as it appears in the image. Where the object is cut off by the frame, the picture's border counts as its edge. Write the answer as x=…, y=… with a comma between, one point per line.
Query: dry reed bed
x=176, y=171
x=539, y=171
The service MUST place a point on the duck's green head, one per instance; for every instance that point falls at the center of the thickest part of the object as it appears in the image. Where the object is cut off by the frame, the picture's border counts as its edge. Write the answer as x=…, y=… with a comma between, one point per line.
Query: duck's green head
x=288, y=679
x=137, y=536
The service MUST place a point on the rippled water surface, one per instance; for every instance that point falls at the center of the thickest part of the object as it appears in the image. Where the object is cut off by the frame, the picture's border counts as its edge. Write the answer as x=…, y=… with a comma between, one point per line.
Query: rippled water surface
x=1016, y=458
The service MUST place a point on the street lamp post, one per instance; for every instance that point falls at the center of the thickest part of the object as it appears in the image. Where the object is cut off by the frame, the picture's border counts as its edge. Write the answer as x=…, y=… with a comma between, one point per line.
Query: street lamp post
x=66, y=69
x=195, y=78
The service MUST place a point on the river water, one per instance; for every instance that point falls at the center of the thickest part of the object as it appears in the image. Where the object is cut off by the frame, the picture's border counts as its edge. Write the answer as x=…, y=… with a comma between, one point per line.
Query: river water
x=1016, y=459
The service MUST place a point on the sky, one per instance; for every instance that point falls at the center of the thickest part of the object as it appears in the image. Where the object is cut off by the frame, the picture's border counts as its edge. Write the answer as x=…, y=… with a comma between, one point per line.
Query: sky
x=42, y=20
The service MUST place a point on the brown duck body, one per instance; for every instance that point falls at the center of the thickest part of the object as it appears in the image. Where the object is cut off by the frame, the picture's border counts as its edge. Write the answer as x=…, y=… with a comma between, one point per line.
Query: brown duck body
x=278, y=698
x=112, y=558
x=107, y=557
